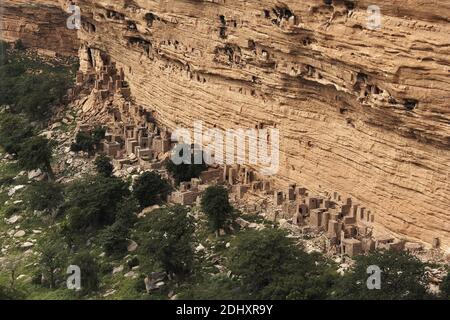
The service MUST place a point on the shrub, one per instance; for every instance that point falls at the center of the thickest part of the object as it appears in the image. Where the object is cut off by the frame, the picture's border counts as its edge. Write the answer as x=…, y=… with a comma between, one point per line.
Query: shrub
x=166, y=236
x=402, y=277
x=150, y=189
x=215, y=204
x=44, y=196
x=53, y=258
x=271, y=266
x=89, y=272
x=185, y=172
x=99, y=197
x=104, y=166
x=36, y=153
x=14, y=130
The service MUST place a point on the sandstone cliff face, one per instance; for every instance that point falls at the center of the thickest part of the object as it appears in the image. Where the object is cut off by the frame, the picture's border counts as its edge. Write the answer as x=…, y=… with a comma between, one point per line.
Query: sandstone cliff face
x=363, y=112
x=38, y=24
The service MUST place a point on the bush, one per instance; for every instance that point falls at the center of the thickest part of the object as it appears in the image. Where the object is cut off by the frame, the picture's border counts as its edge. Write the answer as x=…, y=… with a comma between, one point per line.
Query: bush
x=215, y=204
x=166, y=236
x=36, y=153
x=88, y=141
x=32, y=86
x=402, y=277
x=271, y=266
x=44, y=196
x=10, y=294
x=14, y=130
x=150, y=189
x=53, y=258
x=104, y=166
x=99, y=197
x=89, y=272
x=185, y=172
x=113, y=239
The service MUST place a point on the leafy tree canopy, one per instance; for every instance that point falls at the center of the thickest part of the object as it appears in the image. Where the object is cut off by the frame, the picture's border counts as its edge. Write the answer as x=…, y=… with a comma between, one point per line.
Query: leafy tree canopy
x=166, y=236
x=150, y=189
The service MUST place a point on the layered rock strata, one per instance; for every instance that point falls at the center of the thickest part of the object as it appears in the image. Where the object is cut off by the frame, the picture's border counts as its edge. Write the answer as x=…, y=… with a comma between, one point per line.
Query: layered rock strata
x=39, y=25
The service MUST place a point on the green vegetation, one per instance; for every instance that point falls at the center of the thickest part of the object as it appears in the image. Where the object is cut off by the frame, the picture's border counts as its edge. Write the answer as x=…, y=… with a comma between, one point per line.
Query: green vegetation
x=150, y=189
x=44, y=195
x=88, y=141
x=167, y=236
x=104, y=166
x=14, y=130
x=36, y=153
x=403, y=277
x=93, y=203
x=272, y=266
x=185, y=172
x=90, y=271
x=216, y=206
x=54, y=254
x=31, y=85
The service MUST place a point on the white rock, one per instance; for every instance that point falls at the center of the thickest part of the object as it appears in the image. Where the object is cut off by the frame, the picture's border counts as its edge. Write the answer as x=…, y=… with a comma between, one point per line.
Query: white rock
x=132, y=246
x=227, y=245
x=56, y=125
x=14, y=189
x=131, y=170
x=33, y=174
x=118, y=269
x=130, y=274
x=13, y=219
x=27, y=244
x=19, y=234
x=110, y=292
x=18, y=202
x=199, y=248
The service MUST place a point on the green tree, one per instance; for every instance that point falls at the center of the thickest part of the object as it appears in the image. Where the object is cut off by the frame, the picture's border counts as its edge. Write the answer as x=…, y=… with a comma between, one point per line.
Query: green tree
x=36, y=153
x=150, y=189
x=402, y=277
x=185, y=172
x=271, y=266
x=11, y=294
x=215, y=204
x=104, y=166
x=44, y=195
x=166, y=236
x=53, y=258
x=83, y=142
x=98, y=199
x=114, y=238
x=89, y=271
x=88, y=141
x=14, y=130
